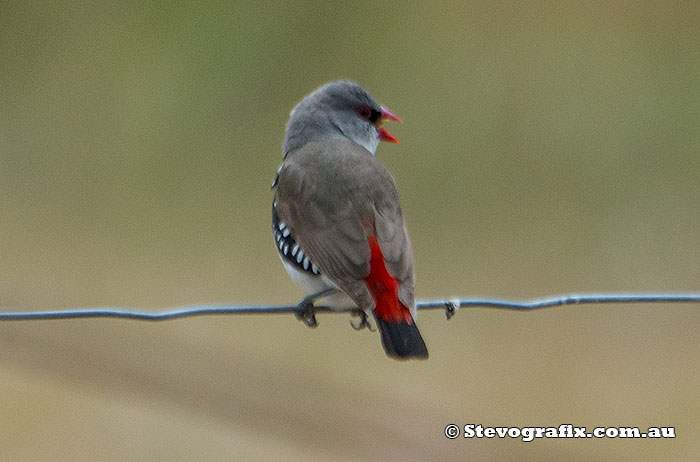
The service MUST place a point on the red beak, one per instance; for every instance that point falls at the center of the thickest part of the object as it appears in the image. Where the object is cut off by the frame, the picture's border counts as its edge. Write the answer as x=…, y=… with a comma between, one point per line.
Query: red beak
x=388, y=115
x=384, y=134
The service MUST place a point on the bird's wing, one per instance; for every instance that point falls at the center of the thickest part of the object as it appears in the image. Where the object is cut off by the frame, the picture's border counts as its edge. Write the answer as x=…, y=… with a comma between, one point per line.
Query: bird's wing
x=333, y=195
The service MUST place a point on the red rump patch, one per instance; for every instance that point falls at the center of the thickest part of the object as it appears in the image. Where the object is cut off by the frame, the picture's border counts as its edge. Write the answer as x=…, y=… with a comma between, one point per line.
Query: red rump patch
x=385, y=288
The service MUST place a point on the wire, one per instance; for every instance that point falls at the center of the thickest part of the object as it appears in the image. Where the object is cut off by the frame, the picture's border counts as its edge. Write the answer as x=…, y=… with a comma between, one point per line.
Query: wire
x=450, y=307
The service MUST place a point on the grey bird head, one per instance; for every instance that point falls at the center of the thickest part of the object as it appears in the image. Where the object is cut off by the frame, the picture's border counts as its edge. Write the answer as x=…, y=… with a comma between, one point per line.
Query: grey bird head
x=338, y=110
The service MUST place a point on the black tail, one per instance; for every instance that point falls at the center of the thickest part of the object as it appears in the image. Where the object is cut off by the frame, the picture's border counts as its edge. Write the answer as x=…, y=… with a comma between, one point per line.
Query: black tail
x=402, y=340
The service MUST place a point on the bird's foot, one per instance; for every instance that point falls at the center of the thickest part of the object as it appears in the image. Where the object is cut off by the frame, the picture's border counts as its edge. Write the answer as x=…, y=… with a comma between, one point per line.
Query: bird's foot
x=363, y=322
x=307, y=313
x=307, y=310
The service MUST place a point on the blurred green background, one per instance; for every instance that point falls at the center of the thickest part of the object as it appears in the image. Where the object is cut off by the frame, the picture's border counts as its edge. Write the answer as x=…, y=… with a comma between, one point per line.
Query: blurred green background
x=547, y=148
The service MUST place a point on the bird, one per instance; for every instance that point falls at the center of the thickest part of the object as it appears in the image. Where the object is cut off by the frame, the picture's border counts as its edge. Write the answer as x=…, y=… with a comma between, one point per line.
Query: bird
x=336, y=216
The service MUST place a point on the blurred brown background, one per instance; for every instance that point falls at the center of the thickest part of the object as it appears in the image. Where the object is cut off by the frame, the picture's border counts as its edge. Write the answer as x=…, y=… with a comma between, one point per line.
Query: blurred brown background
x=547, y=148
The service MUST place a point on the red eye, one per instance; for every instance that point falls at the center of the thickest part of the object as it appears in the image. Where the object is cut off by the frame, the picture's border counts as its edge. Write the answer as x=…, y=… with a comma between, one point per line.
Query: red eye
x=364, y=112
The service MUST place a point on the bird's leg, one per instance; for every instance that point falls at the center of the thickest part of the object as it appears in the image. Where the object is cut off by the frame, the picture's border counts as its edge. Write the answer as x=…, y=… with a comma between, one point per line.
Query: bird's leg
x=363, y=322
x=307, y=312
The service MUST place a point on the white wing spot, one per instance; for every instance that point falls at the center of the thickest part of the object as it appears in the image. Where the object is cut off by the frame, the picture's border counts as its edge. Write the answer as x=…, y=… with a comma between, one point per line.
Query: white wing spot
x=281, y=225
x=286, y=248
x=285, y=233
x=314, y=268
x=295, y=249
x=306, y=263
x=300, y=256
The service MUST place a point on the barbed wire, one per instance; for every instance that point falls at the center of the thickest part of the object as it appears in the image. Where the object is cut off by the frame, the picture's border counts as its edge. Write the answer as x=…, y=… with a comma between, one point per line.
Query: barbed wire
x=450, y=306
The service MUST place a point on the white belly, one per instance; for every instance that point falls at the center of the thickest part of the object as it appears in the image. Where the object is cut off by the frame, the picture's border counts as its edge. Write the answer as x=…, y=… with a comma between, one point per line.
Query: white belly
x=313, y=284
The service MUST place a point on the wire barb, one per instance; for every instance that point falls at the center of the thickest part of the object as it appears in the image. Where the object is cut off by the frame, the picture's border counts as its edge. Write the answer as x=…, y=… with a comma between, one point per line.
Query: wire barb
x=450, y=306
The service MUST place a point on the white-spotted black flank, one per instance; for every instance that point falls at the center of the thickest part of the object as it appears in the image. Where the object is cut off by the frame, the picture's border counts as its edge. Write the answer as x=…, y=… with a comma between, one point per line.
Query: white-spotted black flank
x=287, y=246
